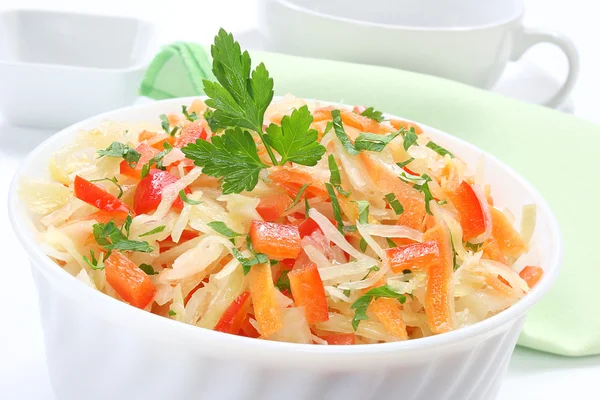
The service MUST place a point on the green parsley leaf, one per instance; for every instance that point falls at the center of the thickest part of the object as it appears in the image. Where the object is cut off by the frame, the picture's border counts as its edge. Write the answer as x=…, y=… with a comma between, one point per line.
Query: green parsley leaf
x=424, y=188
x=187, y=200
x=456, y=266
x=223, y=229
x=156, y=160
x=283, y=283
x=338, y=128
x=363, y=211
x=350, y=228
x=373, y=142
x=335, y=178
x=337, y=212
x=94, y=263
x=347, y=292
x=294, y=140
x=306, y=206
x=328, y=127
x=442, y=202
x=405, y=163
x=190, y=117
x=174, y=131
x=112, y=238
x=148, y=269
x=231, y=157
x=373, y=114
x=390, y=243
x=158, y=229
x=394, y=203
x=259, y=258
x=410, y=137
x=164, y=123
x=299, y=196
x=439, y=149
x=360, y=306
x=213, y=124
x=120, y=150
x=239, y=97
x=474, y=246
x=113, y=180
x=172, y=313
x=363, y=245
x=127, y=225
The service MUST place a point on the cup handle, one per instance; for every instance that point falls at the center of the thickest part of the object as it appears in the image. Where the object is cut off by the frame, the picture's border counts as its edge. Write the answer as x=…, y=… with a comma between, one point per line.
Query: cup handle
x=530, y=37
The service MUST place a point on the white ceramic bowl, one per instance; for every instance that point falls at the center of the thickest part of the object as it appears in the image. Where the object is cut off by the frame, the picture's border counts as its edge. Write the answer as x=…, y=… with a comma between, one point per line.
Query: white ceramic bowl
x=57, y=68
x=100, y=348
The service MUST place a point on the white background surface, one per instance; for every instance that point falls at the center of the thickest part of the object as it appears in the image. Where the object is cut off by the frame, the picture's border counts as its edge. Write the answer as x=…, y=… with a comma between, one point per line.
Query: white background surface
x=532, y=375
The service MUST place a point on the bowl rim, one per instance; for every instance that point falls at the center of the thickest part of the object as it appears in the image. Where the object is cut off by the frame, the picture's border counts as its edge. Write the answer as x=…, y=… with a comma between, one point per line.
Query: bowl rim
x=137, y=66
x=291, y=5
x=277, y=353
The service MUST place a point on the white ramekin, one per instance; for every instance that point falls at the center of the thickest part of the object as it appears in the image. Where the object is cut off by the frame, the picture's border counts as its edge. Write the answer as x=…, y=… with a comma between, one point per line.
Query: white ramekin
x=100, y=348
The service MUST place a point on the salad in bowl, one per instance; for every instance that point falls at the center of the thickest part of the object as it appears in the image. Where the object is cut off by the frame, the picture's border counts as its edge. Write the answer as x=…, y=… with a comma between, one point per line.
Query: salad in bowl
x=290, y=220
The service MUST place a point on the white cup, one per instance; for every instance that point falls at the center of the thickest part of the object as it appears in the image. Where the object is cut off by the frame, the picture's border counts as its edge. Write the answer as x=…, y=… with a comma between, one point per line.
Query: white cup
x=469, y=41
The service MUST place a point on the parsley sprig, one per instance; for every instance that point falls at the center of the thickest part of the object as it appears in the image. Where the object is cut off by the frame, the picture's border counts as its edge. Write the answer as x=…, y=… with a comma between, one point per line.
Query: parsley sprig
x=360, y=306
x=373, y=114
x=240, y=98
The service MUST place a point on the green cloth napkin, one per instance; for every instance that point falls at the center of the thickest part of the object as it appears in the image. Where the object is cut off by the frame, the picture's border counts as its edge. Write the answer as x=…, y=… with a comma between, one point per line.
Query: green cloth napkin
x=556, y=152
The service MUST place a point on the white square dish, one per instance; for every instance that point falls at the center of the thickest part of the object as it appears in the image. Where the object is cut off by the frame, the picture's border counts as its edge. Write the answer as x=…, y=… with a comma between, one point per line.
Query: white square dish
x=57, y=68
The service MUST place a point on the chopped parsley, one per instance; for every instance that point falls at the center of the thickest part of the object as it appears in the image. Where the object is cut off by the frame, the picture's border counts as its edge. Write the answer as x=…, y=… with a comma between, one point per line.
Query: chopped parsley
x=247, y=263
x=474, y=246
x=424, y=188
x=283, y=282
x=335, y=178
x=158, y=229
x=120, y=150
x=165, y=123
x=93, y=262
x=439, y=149
x=337, y=212
x=223, y=229
x=360, y=306
x=390, y=243
x=113, y=180
x=172, y=313
x=156, y=160
x=410, y=137
x=405, y=163
x=299, y=196
x=373, y=114
x=338, y=128
x=374, y=142
x=394, y=203
x=187, y=200
x=148, y=269
x=190, y=117
x=110, y=237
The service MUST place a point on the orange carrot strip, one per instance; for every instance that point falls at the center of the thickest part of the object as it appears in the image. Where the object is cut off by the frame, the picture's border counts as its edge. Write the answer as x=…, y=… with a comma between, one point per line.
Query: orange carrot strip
x=130, y=282
x=439, y=293
x=387, y=312
x=266, y=309
x=508, y=239
x=469, y=210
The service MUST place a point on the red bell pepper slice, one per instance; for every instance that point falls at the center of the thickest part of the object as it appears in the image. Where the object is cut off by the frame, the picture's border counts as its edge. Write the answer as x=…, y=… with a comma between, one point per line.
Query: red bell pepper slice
x=340, y=338
x=309, y=292
x=147, y=153
x=129, y=281
x=469, y=210
x=412, y=256
x=531, y=275
x=96, y=196
x=148, y=193
x=272, y=207
x=233, y=317
x=278, y=241
x=190, y=133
